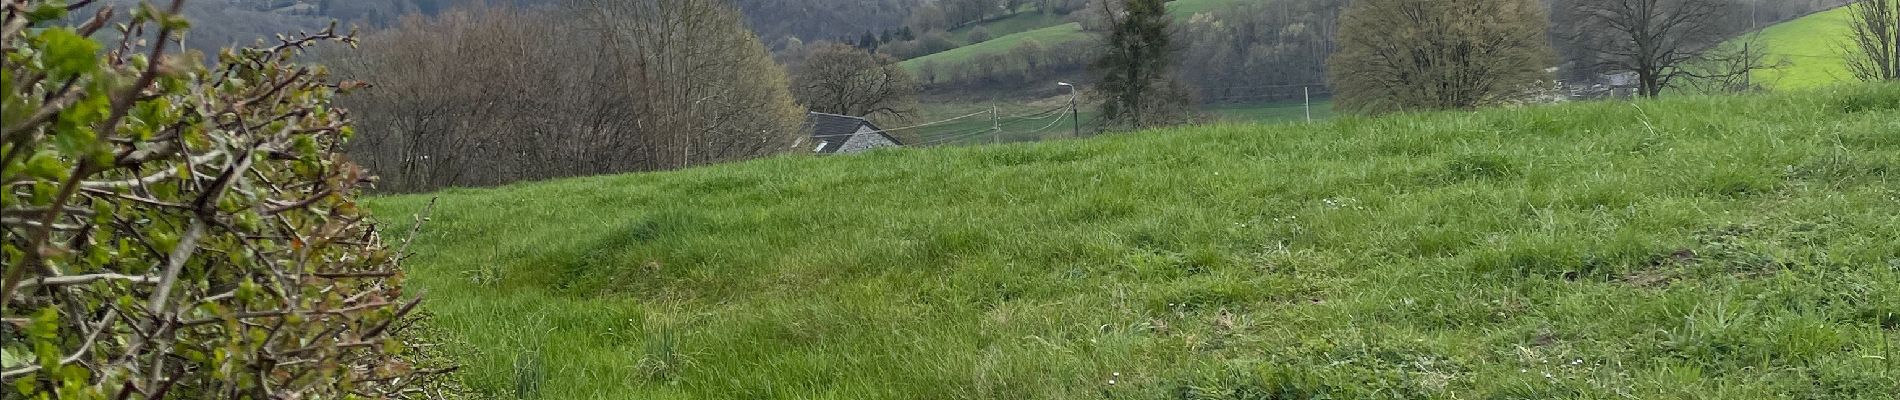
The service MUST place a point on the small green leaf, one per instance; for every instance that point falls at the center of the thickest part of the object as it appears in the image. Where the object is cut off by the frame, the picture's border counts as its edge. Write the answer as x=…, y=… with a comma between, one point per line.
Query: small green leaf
x=10, y=359
x=48, y=11
x=175, y=22
x=67, y=53
x=46, y=165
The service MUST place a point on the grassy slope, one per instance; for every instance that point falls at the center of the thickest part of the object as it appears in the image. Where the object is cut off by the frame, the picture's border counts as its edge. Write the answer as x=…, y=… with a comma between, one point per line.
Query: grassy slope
x=1049, y=36
x=1812, y=48
x=1719, y=248
x=1020, y=22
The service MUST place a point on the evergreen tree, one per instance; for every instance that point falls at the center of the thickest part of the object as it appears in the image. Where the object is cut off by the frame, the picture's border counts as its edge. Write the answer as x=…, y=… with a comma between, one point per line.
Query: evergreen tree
x=1134, y=65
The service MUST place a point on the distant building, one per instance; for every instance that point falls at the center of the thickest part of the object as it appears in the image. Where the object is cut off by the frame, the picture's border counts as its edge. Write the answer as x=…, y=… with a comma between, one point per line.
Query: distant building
x=834, y=134
x=1621, y=85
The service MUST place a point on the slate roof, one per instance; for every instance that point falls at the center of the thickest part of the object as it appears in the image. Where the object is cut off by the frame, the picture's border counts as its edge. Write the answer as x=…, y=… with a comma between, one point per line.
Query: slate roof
x=836, y=129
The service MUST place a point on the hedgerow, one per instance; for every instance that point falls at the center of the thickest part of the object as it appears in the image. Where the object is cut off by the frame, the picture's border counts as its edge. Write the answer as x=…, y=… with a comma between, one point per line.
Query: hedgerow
x=177, y=230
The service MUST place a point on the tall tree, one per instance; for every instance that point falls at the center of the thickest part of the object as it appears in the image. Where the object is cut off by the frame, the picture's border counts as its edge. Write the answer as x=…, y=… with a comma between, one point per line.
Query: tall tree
x=840, y=79
x=1401, y=55
x=1874, y=53
x=1134, y=64
x=469, y=98
x=1662, y=42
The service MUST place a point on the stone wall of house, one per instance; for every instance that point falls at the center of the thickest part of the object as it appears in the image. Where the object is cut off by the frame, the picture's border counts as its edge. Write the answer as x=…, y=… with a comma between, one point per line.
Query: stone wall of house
x=865, y=139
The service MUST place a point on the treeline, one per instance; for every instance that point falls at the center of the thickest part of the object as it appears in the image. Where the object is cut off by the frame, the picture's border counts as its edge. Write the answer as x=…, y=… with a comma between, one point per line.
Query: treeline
x=1404, y=55
x=943, y=15
x=780, y=22
x=490, y=96
x=1381, y=56
x=1262, y=51
x=1254, y=51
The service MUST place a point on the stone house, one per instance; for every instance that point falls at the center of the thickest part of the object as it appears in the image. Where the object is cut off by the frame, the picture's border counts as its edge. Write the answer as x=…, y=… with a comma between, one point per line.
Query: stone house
x=836, y=134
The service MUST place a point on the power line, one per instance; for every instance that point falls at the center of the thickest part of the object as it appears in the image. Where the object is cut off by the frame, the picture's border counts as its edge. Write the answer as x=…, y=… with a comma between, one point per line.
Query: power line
x=935, y=123
x=1052, y=124
x=1044, y=115
x=1059, y=118
x=909, y=127
x=1806, y=56
x=1028, y=116
x=998, y=122
x=1293, y=85
x=940, y=139
x=1057, y=108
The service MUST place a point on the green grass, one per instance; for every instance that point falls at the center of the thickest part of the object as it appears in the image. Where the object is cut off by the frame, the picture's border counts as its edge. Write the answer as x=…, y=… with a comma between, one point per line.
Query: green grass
x=1812, y=49
x=1182, y=9
x=1019, y=22
x=1685, y=248
x=1056, y=35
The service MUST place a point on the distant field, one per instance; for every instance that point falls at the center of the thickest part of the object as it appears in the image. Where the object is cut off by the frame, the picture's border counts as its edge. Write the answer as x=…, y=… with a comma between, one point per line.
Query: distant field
x=1186, y=8
x=1048, y=36
x=1684, y=248
x=1812, y=48
x=1020, y=22
x=1271, y=112
x=1051, y=36
x=1025, y=130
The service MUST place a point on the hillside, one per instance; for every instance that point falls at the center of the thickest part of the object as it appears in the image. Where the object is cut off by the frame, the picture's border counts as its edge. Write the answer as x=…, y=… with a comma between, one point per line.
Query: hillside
x=1056, y=35
x=1695, y=247
x=1019, y=22
x=1811, y=50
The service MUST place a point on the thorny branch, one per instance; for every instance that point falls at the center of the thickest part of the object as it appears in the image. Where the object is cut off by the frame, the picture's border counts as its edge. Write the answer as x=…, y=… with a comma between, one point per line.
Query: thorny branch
x=202, y=223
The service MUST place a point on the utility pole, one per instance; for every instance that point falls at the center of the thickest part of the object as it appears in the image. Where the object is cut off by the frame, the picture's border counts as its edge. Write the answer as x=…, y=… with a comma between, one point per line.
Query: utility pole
x=1748, y=49
x=996, y=127
x=1308, y=92
x=1075, y=117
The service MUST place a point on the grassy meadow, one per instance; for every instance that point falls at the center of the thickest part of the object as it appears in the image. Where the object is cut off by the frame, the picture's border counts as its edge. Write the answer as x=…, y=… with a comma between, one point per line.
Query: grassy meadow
x=1811, y=51
x=1686, y=248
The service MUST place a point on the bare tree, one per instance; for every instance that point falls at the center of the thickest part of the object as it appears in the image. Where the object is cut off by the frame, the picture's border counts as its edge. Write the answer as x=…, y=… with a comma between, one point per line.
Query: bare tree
x=1663, y=42
x=1874, y=50
x=470, y=97
x=706, y=87
x=1406, y=55
x=840, y=79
